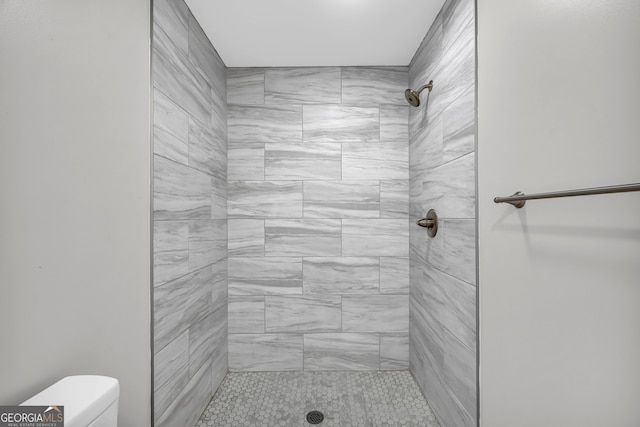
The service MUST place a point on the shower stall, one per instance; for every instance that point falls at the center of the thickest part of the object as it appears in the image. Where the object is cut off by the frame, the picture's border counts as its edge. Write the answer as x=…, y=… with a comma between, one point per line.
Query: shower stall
x=285, y=209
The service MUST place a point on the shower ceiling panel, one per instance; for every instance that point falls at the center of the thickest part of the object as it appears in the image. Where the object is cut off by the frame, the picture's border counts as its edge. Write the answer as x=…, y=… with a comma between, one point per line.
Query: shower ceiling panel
x=279, y=33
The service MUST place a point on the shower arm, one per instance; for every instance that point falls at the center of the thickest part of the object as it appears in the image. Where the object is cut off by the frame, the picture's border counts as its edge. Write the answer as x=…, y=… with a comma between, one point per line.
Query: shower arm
x=427, y=86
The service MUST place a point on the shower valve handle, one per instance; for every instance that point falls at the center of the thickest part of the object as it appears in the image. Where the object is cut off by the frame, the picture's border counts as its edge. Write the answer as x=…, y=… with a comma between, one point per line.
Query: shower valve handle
x=430, y=222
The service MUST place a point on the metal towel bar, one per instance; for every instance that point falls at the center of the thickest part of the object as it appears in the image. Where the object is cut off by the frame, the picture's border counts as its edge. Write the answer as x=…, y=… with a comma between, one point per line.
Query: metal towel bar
x=518, y=199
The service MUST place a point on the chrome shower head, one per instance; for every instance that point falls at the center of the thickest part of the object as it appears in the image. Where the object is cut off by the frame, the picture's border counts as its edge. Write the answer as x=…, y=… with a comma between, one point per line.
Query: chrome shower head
x=413, y=96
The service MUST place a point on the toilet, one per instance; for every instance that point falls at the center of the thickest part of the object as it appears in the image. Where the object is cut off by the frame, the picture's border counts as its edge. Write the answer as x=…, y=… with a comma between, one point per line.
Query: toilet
x=88, y=400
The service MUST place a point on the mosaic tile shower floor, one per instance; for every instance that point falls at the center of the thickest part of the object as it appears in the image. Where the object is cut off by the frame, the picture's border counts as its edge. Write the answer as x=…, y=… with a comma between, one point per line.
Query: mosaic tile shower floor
x=347, y=399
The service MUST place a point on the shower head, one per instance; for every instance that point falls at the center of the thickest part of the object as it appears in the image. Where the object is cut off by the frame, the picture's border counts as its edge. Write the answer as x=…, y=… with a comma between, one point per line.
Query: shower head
x=413, y=96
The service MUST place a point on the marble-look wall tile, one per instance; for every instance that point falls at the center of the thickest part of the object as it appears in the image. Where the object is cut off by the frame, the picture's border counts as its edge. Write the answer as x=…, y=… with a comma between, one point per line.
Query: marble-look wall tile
x=340, y=275
x=341, y=351
x=302, y=237
x=374, y=85
x=310, y=313
x=170, y=129
x=191, y=401
x=170, y=250
x=175, y=76
x=394, y=352
x=245, y=86
x=339, y=123
x=246, y=315
x=375, y=313
x=171, y=372
x=269, y=199
x=205, y=58
x=201, y=342
x=302, y=85
x=458, y=126
x=180, y=192
x=246, y=237
x=375, y=161
x=297, y=161
x=207, y=242
x=173, y=17
x=265, y=276
x=453, y=303
x=342, y=199
x=207, y=150
x=394, y=123
x=218, y=199
x=394, y=275
x=245, y=161
x=192, y=293
x=391, y=237
x=459, y=250
x=450, y=189
x=274, y=123
x=220, y=355
x=265, y=352
x=394, y=198
x=456, y=18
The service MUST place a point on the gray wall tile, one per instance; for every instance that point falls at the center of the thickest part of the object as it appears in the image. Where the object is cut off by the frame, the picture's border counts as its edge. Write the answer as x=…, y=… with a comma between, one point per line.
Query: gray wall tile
x=305, y=85
x=375, y=313
x=394, y=275
x=175, y=76
x=297, y=161
x=246, y=161
x=245, y=86
x=391, y=237
x=342, y=199
x=192, y=293
x=207, y=150
x=173, y=17
x=185, y=409
x=442, y=165
x=394, y=199
x=394, y=352
x=281, y=123
x=265, y=276
x=375, y=161
x=170, y=250
x=180, y=192
x=269, y=199
x=338, y=123
x=207, y=242
x=311, y=313
x=170, y=129
x=246, y=315
x=459, y=249
x=394, y=123
x=302, y=237
x=265, y=352
x=374, y=85
x=450, y=188
x=246, y=237
x=205, y=58
x=341, y=351
x=190, y=192
x=340, y=275
x=218, y=198
x=172, y=372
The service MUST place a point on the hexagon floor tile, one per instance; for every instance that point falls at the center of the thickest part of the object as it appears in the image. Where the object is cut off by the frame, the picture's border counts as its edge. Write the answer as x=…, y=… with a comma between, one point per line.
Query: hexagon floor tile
x=347, y=399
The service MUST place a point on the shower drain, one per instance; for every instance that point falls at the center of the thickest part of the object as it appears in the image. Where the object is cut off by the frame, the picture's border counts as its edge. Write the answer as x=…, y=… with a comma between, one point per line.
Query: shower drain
x=315, y=417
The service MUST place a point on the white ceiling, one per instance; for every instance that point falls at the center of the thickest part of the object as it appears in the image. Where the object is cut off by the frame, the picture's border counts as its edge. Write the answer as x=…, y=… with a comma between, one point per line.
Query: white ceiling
x=278, y=33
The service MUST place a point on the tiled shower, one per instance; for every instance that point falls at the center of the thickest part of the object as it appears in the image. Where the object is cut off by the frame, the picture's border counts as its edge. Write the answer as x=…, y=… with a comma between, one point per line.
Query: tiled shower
x=285, y=202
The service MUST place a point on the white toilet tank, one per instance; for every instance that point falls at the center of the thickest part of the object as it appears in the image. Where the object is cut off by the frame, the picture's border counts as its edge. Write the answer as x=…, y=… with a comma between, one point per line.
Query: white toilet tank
x=88, y=400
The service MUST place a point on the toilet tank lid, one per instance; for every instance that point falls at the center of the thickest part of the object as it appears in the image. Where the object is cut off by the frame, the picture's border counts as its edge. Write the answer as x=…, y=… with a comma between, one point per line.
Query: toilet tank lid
x=84, y=397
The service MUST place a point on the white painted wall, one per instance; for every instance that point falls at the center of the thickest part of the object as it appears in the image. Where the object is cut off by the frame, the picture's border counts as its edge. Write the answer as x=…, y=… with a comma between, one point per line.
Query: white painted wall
x=559, y=108
x=75, y=199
